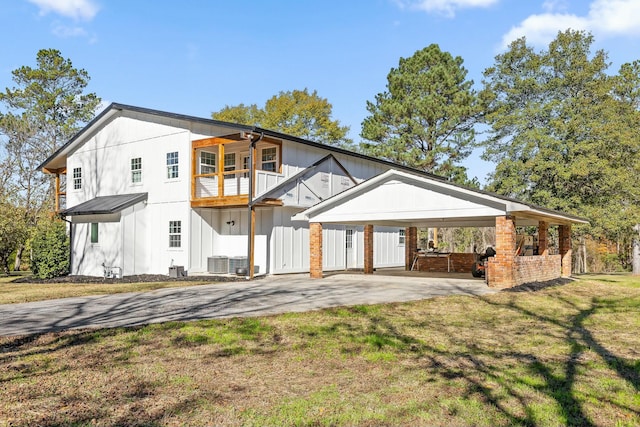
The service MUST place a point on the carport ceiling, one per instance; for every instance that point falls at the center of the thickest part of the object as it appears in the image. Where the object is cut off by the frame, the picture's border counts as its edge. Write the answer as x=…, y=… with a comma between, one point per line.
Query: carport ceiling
x=401, y=199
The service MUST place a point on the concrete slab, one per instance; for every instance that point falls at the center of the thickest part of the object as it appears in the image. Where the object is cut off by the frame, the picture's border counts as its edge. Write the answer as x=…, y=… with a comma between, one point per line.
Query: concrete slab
x=269, y=295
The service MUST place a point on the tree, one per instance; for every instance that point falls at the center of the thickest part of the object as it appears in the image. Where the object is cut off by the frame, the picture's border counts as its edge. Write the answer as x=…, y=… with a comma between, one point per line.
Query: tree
x=426, y=117
x=298, y=113
x=50, y=247
x=13, y=233
x=47, y=107
x=564, y=133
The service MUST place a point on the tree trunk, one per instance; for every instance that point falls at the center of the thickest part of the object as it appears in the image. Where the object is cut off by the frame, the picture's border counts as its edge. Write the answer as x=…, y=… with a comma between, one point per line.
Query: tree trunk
x=583, y=245
x=635, y=260
x=16, y=265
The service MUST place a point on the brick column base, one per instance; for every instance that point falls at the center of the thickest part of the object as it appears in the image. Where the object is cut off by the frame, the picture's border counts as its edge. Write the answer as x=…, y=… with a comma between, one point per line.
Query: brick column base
x=368, y=249
x=500, y=272
x=564, y=237
x=543, y=240
x=315, y=250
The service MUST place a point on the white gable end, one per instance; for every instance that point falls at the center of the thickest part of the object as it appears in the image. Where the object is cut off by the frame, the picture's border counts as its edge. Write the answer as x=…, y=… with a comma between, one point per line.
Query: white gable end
x=396, y=200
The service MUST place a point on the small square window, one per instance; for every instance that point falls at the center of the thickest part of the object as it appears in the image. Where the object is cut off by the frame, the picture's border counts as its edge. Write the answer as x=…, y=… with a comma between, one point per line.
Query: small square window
x=175, y=236
x=172, y=165
x=207, y=162
x=229, y=162
x=77, y=178
x=94, y=232
x=269, y=159
x=401, y=237
x=136, y=170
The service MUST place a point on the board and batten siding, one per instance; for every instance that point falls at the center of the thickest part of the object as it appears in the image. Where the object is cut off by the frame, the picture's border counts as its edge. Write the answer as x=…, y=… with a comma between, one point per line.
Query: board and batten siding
x=137, y=241
x=223, y=232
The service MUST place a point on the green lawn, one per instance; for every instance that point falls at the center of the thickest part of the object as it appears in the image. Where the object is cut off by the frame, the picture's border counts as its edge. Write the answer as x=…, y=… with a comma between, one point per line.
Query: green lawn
x=567, y=355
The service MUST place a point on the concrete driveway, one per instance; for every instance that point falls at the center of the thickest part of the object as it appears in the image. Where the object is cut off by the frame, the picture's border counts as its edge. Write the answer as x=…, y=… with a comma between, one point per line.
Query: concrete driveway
x=270, y=295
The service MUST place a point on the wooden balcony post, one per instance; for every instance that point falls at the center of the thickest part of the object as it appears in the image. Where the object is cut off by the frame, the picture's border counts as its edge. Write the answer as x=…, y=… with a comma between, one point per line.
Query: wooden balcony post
x=220, y=169
x=194, y=168
x=57, y=197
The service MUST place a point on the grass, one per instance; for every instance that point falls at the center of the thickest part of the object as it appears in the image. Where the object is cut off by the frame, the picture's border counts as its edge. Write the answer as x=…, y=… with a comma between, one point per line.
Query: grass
x=568, y=355
x=12, y=293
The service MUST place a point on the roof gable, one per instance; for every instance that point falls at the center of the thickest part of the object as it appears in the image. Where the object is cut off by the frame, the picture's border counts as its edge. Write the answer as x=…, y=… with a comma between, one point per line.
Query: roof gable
x=399, y=199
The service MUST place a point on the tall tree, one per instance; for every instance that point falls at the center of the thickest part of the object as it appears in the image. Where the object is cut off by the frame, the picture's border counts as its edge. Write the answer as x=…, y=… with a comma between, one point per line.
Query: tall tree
x=564, y=133
x=13, y=232
x=426, y=117
x=45, y=108
x=298, y=113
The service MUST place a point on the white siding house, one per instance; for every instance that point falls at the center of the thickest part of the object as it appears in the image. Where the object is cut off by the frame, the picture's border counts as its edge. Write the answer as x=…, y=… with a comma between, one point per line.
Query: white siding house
x=146, y=190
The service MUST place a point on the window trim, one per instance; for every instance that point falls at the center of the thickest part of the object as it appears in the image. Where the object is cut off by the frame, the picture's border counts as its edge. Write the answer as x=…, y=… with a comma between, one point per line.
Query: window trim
x=202, y=165
x=275, y=159
x=137, y=171
x=173, y=165
x=229, y=168
x=94, y=238
x=175, y=234
x=77, y=178
x=402, y=238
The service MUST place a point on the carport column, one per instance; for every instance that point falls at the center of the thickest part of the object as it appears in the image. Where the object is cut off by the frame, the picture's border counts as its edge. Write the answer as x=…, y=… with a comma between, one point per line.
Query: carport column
x=315, y=250
x=543, y=242
x=368, y=249
x=564, y=235
x=500, y=272
x=410, y=246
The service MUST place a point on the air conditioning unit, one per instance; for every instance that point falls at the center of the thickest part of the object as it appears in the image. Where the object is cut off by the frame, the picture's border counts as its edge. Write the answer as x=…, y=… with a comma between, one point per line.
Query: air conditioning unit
x=236, y=262
x=218, y=264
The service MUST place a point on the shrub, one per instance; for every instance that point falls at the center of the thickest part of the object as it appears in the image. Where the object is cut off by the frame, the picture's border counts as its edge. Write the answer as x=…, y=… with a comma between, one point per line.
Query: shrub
x=50, y=250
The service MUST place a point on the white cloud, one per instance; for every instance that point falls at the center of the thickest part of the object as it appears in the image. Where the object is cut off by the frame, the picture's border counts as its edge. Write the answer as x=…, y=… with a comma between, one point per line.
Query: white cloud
x=605, y=18
x=64, y=31
x=76, y=9
x=445, y=7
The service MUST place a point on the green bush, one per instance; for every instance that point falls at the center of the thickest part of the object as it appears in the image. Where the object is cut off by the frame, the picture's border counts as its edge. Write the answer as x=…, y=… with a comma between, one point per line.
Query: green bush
x=50, y=250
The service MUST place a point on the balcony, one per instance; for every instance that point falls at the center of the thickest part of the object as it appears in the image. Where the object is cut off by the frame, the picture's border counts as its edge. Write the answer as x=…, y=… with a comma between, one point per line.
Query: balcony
x=221, y=173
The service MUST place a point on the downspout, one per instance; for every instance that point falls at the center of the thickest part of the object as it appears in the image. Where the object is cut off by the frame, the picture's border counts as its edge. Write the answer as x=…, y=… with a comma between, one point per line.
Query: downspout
x=250, y=231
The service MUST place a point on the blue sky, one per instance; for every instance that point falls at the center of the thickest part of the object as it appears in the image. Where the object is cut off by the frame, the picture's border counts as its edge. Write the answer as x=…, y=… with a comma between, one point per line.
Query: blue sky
x=196, y=56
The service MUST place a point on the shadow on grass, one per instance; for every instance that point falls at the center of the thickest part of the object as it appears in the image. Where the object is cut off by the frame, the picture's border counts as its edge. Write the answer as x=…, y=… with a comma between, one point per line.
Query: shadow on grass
x=466, y=365
x=477, y=366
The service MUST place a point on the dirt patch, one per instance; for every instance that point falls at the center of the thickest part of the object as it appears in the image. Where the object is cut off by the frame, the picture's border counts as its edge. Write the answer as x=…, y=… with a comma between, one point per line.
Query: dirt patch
x=140, y=278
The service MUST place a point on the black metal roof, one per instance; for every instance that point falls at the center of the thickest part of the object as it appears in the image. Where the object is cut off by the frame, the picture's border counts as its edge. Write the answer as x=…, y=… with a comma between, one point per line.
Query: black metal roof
x=105, y=204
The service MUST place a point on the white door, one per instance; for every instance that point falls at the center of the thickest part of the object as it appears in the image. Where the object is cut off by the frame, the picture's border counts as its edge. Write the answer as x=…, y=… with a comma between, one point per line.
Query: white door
x=350, y=252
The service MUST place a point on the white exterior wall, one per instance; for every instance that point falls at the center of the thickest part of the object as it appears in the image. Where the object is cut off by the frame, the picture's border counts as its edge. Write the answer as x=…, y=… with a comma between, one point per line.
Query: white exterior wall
x=138, y=242
x=296, y=157
x=87, y=257
x=290, y=245
x=223, y=232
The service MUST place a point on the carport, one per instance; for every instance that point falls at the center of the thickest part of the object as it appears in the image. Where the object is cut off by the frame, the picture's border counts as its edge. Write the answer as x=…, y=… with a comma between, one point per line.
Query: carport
x=405, y=200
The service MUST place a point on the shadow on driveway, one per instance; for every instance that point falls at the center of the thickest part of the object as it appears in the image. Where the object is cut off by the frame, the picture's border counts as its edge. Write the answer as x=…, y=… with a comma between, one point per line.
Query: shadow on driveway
x=270, y=295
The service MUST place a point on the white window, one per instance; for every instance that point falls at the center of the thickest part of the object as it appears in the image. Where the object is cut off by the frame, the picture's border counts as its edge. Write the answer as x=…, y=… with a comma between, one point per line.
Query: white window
x=172, y=165
x=94, y=232
x=175, y=234
x=245, y=165
x=207, y=162
x=349, y=238
x=401, y=237
x=136, y=170
x=269, y=159
x=230, y=162
x=77, y=178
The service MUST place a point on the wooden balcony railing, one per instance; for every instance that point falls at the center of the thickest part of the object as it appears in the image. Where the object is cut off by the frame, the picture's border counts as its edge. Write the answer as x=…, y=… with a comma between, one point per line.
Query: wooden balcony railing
x=228, y=188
